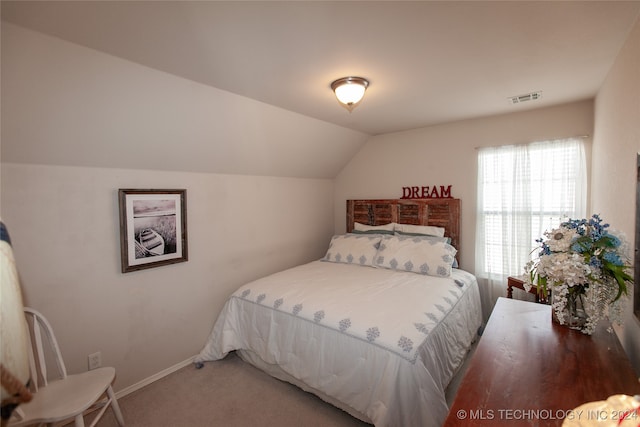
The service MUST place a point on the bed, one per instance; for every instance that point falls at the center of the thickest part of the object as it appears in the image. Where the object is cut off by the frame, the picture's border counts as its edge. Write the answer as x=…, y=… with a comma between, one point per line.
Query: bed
x=377, y=327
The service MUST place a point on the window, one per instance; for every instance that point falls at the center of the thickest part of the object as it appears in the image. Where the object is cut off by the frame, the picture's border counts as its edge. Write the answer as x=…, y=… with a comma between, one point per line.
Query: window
x=524, y=190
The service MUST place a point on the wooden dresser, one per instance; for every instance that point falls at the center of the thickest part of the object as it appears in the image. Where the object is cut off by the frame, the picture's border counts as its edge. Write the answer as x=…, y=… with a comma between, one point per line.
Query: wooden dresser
x=528, y=371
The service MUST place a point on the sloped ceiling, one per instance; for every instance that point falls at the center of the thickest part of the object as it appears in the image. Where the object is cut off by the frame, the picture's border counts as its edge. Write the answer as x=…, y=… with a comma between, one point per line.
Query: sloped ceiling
x=428, y=62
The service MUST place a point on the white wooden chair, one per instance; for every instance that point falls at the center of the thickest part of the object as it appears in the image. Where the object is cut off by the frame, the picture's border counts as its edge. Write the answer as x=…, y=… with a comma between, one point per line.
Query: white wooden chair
x=65, y=396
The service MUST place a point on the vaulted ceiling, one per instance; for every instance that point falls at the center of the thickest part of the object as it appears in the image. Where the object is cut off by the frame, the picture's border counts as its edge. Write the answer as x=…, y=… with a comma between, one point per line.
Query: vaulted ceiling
x=428, y=62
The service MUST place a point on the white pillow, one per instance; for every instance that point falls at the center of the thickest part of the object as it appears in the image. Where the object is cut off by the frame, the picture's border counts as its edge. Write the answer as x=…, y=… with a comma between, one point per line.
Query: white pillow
x=425, y=236
x=353, y=248
x=415, y=254
x=364, y=227
x=428, y=230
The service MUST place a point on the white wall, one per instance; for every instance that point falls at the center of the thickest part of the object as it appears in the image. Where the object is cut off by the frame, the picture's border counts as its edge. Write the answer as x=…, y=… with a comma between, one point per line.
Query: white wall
x=63, y=222
x=78, y=125
x=447, y=155
x=615, y=146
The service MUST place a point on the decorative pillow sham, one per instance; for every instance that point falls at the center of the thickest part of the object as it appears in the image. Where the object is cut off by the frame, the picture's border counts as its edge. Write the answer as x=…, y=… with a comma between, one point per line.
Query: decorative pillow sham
x=428, y=230
x=353, y=249
x=416, y=254
x=364, y=227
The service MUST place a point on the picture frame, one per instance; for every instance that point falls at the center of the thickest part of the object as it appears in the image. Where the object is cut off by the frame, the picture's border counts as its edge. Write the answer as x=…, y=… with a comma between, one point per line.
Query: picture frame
x=153, y=228
x=636, y=255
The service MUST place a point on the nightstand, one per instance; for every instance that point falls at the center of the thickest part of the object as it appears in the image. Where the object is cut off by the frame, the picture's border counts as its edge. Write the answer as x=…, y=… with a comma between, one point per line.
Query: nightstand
x=514, y=282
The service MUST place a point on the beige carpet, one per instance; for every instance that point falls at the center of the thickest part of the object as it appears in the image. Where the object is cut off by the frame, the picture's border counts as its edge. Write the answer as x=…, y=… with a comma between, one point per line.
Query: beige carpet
x=225, y=393
x=231, y=393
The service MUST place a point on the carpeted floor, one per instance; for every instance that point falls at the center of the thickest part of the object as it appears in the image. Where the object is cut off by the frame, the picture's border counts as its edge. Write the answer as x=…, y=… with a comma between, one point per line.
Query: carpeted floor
x=231, y=393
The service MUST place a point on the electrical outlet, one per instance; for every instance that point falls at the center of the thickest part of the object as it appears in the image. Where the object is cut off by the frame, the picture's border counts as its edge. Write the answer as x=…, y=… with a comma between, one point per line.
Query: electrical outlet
x=95, y=360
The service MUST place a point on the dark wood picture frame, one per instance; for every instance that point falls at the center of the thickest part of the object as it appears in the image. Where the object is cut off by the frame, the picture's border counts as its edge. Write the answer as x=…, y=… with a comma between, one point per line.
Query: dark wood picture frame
x=153, y=228
x=636, y=262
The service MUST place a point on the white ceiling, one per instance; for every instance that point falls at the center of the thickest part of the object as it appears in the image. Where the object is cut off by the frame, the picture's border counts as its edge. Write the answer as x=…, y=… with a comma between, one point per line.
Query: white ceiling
x=428, y=62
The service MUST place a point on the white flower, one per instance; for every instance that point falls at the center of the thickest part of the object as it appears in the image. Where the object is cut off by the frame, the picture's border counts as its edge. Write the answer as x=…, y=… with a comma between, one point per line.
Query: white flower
x=560, y=239
x=564, y=269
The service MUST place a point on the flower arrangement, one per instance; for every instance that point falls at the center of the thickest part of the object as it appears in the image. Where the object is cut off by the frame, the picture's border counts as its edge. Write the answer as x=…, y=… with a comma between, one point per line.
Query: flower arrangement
x=583, y=264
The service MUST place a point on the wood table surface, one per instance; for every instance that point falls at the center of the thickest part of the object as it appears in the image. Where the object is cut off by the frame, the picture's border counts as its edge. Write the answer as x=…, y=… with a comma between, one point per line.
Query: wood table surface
x=529, y=371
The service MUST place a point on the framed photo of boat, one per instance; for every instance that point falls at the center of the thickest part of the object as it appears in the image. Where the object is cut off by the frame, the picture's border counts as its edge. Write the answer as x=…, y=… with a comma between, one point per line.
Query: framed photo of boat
x=153, y=228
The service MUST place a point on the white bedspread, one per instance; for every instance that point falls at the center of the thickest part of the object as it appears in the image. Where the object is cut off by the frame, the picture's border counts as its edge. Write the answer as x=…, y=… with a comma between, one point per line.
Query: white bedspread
x=381, y=344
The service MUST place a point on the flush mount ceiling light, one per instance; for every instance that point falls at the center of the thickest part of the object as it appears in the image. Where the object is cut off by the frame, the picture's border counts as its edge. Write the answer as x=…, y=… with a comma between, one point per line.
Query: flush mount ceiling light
x=349, y=91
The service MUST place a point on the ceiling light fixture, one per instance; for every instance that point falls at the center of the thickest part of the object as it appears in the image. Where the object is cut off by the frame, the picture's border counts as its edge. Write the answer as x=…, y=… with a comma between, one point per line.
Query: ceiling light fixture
x=350, y=91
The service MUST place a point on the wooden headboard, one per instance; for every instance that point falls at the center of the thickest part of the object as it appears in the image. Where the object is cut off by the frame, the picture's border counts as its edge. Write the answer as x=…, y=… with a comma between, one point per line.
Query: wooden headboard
x=437, y=212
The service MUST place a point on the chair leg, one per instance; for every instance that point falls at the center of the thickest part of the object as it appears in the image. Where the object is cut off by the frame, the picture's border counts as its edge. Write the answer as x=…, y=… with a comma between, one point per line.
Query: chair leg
x=79, y=421
x=115, y=406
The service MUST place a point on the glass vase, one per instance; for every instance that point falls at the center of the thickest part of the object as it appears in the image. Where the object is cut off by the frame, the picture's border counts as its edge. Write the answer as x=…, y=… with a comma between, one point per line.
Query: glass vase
x=572, y=315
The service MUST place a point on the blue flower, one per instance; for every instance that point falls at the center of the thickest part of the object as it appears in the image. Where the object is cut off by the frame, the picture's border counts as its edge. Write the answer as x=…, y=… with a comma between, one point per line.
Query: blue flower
x=544, y=250
x=613, y=258
x=581, y=248
x=595, y=262
x=614, y=241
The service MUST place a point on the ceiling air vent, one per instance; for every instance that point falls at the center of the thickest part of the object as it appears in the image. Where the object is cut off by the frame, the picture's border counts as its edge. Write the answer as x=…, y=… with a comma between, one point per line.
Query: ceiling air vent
x=526, y=97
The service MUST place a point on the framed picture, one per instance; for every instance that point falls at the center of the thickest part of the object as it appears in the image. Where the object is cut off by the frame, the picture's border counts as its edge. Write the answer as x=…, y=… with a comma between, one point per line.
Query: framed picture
x=636, y=261
x=153, y=228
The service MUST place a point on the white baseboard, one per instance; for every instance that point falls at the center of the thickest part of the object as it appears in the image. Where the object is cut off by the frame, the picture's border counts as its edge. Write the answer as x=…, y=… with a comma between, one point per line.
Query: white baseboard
x=134, y=387
x=154, y=377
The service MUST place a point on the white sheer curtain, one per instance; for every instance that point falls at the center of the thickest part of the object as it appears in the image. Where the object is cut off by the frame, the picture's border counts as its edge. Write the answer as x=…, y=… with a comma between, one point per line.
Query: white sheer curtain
x=523, y=190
